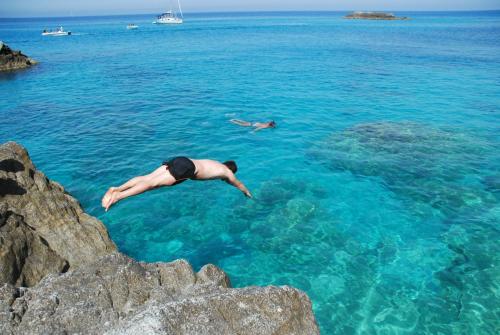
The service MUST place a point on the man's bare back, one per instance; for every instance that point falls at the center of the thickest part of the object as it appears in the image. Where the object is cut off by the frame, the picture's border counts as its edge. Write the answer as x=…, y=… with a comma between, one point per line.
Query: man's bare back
x=207, y=169
x=173, y=172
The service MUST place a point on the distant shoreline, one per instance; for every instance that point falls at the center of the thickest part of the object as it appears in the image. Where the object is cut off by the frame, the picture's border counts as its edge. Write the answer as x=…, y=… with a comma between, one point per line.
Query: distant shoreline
x=244, y=13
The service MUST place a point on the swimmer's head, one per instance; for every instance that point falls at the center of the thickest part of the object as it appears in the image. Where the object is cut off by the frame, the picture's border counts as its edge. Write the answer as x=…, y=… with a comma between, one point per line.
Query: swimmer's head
x=231, y=165
x=272, y=124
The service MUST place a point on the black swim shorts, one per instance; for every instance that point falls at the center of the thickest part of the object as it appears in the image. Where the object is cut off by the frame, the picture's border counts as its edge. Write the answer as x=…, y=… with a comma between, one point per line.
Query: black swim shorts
x=181, y=168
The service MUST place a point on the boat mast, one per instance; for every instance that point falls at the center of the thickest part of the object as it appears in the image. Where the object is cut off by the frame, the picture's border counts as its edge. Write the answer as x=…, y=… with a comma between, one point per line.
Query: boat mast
x=180, y=9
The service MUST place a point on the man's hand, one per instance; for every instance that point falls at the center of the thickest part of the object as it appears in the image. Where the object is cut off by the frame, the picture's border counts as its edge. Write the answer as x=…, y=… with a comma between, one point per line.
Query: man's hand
x=231, y=179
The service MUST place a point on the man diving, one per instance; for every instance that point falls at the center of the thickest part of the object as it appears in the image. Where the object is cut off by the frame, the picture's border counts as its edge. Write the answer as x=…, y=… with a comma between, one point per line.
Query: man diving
x=173, y=172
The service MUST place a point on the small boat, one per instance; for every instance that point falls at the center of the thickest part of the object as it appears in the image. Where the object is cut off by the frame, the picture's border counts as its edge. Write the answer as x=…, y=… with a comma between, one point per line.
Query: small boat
x=170, y=17
x=132, y=26
x=56, y=32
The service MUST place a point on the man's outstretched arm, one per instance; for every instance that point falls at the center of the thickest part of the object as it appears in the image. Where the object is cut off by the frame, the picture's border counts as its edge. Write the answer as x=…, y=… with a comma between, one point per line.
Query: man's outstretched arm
x=231, y=179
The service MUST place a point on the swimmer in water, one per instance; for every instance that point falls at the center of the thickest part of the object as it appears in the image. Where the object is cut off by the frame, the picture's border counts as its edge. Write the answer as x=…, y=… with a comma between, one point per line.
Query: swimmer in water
x=257, y=125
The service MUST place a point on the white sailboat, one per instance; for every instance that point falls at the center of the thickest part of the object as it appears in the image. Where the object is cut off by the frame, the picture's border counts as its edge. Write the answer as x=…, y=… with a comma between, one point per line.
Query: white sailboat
x=170, y=17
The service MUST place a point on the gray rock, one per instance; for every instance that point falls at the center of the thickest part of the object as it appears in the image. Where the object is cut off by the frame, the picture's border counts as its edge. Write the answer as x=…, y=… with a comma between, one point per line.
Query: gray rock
x=80, y=284
x=26, y=256
x=374, y=16
x=117, y=295
x=13, y=60
x=44, y=229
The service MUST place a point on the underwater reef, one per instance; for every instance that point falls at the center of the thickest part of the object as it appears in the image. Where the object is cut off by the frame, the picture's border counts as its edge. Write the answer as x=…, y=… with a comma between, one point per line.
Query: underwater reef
x=437, y=270
x=424, y=163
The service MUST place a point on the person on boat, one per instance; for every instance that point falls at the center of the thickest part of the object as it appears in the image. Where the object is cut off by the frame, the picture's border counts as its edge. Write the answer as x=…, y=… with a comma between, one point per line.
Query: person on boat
x=172, y=172
x=257, y=125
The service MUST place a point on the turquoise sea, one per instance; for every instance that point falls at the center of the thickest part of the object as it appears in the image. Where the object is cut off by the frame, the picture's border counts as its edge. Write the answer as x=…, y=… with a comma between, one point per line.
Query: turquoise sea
x=377, y=194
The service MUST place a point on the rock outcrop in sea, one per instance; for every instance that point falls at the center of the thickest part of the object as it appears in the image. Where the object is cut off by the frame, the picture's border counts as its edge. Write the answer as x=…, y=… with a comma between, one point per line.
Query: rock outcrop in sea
x=374, y=16
x=60, y=273
x=13, y=60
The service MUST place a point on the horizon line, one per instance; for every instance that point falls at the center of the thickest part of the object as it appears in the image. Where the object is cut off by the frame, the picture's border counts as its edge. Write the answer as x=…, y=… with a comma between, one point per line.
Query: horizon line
x=258, y=11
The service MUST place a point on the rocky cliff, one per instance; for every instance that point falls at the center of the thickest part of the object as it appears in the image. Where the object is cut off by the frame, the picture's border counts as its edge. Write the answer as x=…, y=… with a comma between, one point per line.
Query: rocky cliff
x=13, y=60
x=60, y=273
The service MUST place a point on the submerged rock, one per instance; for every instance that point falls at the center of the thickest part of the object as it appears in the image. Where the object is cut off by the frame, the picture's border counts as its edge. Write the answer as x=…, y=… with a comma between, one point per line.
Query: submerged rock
x=455, y=266
x=79, y=284
x=424, y=163
x=13, y=60
x=374, y=16
x=492, y=183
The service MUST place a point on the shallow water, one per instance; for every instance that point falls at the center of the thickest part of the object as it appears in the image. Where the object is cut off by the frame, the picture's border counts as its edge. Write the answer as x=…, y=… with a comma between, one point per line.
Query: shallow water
x=378, y=193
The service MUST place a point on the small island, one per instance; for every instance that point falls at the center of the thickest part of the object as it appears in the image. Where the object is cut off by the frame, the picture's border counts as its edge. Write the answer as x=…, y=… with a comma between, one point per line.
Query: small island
x=13, y=60
x=374, y=16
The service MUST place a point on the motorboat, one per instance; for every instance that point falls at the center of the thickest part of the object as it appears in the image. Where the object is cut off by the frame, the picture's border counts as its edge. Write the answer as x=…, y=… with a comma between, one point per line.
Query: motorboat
x=56, y=32
x=170, y=17
x=132, y=26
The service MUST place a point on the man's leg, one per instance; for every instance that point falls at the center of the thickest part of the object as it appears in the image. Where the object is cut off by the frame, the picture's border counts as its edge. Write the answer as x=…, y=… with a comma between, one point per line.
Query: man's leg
x=240, y=122
x=134, y=181
x=131, y=183
x=158, y=178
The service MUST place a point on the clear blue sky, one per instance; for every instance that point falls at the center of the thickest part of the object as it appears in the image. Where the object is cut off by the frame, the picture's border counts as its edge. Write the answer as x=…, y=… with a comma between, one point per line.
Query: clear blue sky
x=17, y=8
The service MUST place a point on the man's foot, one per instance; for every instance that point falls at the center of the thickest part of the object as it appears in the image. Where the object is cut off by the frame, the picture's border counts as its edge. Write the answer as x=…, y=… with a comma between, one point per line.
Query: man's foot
x=112, y=200
x=107, y=196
